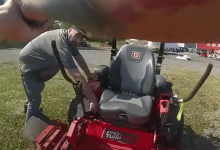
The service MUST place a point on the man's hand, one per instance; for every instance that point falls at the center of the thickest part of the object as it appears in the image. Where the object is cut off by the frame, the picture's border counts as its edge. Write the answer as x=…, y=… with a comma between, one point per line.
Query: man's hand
x=142, y=19
x=22, y=26
x=93, y=107
x=90, y=96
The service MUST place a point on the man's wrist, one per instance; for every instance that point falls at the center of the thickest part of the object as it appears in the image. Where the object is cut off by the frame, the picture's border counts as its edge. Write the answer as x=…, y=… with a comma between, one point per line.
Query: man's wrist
x=88, y=73
x=89, y=78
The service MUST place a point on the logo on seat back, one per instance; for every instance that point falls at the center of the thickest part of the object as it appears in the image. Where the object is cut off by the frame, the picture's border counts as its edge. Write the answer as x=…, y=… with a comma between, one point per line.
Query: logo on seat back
x=136, y=55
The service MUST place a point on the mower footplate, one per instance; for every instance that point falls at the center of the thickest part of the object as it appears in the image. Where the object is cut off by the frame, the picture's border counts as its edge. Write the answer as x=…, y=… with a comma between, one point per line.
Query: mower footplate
x=53, y=137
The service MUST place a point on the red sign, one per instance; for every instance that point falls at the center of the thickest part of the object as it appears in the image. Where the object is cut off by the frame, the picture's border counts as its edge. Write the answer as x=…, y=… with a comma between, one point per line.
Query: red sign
x=136, y=55
x=208, y=46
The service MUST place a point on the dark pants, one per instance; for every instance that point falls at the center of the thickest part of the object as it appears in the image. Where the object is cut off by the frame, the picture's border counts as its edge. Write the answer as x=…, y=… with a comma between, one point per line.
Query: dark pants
x=33, y=82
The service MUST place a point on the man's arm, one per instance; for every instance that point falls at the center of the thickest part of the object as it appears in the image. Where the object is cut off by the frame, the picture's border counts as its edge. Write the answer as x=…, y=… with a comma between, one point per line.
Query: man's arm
x=77, y=76
x=82, y=63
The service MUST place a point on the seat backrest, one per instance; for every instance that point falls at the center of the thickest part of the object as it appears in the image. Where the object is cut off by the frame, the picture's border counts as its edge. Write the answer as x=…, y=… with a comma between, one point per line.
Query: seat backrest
x=133, y=70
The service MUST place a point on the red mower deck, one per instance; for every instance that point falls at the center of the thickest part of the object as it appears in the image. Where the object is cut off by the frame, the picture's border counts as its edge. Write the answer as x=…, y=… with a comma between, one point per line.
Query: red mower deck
x=88, y=135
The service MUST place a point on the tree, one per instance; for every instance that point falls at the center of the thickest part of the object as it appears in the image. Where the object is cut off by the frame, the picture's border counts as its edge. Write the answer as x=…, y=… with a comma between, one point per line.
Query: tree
x=65, y=25
x=60, y=25
x=56, y=25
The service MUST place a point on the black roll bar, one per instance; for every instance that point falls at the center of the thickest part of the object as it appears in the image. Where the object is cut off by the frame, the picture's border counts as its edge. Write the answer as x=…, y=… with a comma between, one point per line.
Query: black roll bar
x=199, y=84
x=114, y=49
x=160, y=58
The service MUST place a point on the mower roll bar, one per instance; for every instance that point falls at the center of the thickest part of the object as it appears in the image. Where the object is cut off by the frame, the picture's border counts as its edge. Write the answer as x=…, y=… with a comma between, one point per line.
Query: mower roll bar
x=199, y=84
x=114, y=49
x=160, y=58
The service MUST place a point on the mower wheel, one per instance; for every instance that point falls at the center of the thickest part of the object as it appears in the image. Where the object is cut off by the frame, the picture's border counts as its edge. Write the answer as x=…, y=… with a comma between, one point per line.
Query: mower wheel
x=72, y=110
x=176, y=142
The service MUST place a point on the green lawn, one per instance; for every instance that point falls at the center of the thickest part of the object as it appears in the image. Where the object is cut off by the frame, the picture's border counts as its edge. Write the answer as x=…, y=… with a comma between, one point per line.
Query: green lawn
x=95, y=44
x=57, y=94
x=55, y=101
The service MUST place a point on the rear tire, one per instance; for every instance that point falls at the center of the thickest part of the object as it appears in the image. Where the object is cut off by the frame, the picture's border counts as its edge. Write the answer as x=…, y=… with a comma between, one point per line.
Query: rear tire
x=72, y=110
x=176, y=142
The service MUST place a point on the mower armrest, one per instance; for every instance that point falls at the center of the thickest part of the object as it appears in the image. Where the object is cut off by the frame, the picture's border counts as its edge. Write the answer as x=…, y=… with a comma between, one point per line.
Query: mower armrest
x=102, y=70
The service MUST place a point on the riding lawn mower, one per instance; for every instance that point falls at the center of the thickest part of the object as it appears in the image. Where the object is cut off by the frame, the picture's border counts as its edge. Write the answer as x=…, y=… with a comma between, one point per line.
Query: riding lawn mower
x=137, y=108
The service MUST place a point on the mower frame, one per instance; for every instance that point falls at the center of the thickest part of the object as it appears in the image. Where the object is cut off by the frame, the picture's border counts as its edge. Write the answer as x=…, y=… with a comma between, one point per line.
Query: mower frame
x=84, y=133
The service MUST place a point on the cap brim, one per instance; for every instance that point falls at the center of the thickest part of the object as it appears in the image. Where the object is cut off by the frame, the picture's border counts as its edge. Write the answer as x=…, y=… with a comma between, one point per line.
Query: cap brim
x=85, y=36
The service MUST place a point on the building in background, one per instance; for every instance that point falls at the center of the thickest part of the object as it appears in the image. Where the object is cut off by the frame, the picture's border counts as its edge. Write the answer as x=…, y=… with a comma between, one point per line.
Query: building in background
x=167, y=45
x=190, y=45
x=208, y=46
x=153, y=44
x=174, y=45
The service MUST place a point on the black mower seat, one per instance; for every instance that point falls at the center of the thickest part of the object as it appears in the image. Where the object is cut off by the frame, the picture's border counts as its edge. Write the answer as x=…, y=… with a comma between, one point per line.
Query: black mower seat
x=125, y=107
x=133, y=72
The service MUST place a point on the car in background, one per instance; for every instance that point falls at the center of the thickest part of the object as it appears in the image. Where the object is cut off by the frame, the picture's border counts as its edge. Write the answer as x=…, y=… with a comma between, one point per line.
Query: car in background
x=84, y=43
x=199, y=51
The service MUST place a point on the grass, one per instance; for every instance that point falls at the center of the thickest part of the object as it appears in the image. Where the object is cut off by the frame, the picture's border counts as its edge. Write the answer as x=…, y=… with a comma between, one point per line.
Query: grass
x=95, y=44
x=11, y=44
x=119, y=45
x=58, y=93
x=205, y=101
x=55, y=101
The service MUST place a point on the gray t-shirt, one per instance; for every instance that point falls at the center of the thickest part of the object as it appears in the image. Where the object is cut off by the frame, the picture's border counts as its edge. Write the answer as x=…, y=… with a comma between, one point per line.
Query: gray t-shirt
x=38, y=53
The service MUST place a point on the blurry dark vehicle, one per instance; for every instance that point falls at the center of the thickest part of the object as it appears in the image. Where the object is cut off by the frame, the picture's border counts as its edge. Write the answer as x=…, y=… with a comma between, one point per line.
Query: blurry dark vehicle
x=199, y=51
x=84, y=43
x=204, y=53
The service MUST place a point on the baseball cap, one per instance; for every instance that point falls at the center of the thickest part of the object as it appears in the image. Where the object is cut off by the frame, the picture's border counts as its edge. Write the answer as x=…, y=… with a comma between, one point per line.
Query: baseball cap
x=82, y=32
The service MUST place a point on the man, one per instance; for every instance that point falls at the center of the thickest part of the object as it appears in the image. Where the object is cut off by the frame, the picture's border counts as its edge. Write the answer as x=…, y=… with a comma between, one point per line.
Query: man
x=38, y=64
